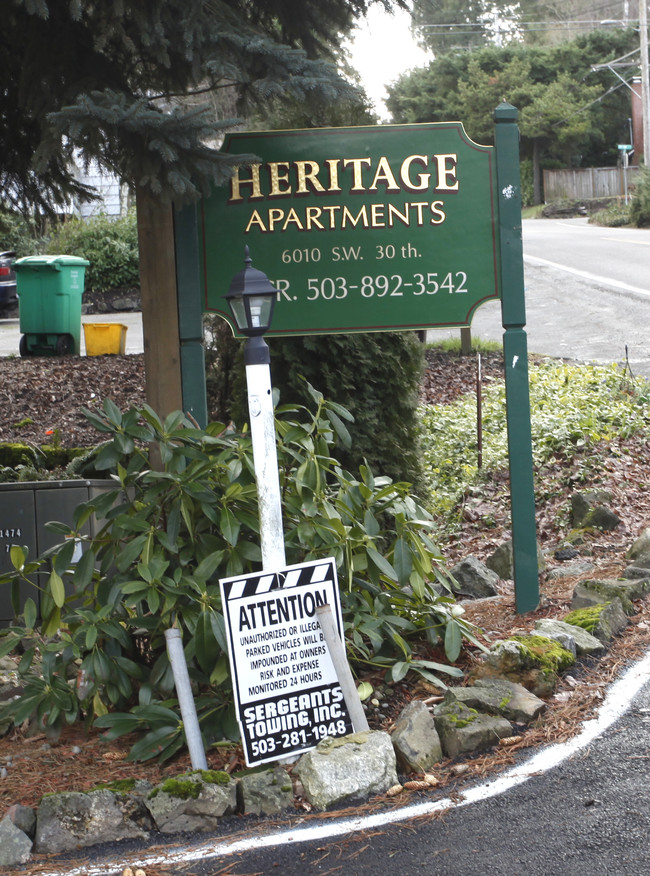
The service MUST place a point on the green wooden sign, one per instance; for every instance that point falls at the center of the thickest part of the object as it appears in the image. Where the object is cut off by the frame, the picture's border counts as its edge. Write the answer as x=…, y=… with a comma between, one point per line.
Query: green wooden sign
x=359, y=229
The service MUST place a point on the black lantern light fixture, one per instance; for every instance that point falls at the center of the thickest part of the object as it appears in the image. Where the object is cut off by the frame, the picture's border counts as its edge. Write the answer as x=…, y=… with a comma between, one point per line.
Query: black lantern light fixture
x=251, y=299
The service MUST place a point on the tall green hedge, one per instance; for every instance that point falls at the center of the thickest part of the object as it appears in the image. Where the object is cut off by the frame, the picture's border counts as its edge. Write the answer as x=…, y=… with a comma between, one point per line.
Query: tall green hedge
x=376, y=376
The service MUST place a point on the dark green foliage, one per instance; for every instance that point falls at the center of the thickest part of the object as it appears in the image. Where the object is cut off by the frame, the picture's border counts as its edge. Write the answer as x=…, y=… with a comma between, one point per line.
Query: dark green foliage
x=13, y=454
x=110, y=245
x=224, y=371
x=640, y=205
x=20, y=234
x=129, y=84
x=170, y=535
x=376, y=376
x=468, y=86
x=567, y=111
x=27, y=462
x=283, y=115
x=615, y=215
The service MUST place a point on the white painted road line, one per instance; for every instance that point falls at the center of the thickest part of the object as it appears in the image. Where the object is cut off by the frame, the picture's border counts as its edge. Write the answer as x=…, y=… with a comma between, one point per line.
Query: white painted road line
x=586, y=275
x=618, y=700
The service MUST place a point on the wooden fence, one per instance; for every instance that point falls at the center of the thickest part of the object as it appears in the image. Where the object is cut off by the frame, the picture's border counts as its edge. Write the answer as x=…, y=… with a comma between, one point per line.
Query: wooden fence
x=588, y=182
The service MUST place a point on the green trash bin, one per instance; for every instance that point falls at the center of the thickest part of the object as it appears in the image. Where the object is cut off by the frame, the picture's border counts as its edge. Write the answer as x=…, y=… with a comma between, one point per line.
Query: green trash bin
x=49, y=299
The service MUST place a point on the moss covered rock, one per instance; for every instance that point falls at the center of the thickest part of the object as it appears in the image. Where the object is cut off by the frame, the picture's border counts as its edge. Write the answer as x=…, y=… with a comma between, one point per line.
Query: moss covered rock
x=532, y=661
x=268, y=792
x=463, y=729
x=590, y=511
x=599, y=591
x=498, y=696
x=604, y=621
x=192, y=801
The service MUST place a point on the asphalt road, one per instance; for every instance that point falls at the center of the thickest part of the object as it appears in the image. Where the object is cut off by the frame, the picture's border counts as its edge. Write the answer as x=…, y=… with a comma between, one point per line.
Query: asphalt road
x=581, y=807
x=587, y=293
x=589, y=816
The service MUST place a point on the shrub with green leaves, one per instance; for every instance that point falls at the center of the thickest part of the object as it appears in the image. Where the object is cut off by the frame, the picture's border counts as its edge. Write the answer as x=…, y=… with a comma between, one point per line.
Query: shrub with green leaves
x=109, y=244
x=20, y=234
x=640, y=204
x=614, y=215
x=170, y=535
x=572, y=408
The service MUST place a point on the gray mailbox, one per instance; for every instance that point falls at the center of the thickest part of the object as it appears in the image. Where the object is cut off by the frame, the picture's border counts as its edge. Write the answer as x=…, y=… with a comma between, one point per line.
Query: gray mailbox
x=25, y=508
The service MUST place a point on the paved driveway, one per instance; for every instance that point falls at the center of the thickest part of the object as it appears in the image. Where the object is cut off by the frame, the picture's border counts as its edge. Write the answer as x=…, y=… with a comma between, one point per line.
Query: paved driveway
x=10, y=332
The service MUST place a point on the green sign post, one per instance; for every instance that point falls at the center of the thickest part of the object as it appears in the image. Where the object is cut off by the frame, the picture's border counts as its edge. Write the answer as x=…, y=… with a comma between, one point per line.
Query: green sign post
x=360, y=229
x=515, y=355
x=393, y=227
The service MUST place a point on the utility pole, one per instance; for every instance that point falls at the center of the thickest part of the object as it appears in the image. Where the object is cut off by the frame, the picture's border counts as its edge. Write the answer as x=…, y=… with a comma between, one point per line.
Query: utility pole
x=645, y=78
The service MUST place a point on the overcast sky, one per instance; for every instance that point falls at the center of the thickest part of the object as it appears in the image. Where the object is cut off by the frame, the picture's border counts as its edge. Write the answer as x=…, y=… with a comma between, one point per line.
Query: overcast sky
x=383, y=49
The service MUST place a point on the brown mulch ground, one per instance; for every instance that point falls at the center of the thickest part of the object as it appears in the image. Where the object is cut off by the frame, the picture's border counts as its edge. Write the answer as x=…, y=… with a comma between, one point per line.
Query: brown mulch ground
x=42, y=396
x=50, y=393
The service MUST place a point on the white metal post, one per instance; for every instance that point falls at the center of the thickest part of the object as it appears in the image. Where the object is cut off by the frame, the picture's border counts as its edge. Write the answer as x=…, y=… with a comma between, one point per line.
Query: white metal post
x=265, y=456
x=185, y=699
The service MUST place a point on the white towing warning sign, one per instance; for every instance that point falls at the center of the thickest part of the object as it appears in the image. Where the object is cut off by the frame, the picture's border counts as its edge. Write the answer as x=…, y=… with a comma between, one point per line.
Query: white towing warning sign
x=287, y=694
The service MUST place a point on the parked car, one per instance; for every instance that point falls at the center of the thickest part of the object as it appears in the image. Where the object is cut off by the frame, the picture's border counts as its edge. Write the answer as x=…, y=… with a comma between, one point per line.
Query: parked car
x=8, y=297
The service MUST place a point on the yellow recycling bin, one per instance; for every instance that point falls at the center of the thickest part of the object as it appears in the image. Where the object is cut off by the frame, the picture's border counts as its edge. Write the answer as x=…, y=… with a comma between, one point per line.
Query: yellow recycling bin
x=105, y=338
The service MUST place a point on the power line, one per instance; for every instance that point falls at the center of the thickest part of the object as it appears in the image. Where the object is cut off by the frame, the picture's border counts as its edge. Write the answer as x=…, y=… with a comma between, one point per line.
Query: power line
x=520, y=23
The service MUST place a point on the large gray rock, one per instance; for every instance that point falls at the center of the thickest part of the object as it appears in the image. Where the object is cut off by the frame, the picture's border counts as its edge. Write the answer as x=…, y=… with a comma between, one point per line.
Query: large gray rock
x=348, y=768
x=501, y=561
x=15, y=845
x=474, y=579
x=640, y=573
x=73, y=819
x=497, y=696
x=640, y=547
x=463, y=730
x=639, y=553
x=595, y=592
x=23, y=817
x=588, y=510
x=571, y=570
x=611, y=622
x=267, y=793
x=584, y=642
x=126, y=303
x=415, y=739
x=192, y=801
